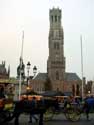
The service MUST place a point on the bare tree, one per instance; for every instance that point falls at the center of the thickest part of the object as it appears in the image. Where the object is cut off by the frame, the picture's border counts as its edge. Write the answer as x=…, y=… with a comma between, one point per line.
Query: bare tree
x=48, y=84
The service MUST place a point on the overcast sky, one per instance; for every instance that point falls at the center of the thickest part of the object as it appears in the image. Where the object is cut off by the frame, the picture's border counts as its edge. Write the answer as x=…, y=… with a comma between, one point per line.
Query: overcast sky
x=32, y=16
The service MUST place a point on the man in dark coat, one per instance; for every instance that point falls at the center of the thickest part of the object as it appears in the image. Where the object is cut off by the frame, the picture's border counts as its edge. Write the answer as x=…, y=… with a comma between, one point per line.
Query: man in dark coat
x=88, y=106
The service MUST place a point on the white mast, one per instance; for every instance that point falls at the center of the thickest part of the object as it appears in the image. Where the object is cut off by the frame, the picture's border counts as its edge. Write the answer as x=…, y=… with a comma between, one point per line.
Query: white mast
x=82, y=65
x=21, y=60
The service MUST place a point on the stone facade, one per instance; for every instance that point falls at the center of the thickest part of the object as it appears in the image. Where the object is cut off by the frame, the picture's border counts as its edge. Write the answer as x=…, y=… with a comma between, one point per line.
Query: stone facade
x=60, y=80
x=72, y=83
x=56, y=59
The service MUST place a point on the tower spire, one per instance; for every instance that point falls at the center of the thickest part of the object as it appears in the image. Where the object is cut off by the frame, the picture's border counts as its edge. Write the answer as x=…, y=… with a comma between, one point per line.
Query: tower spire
x=9, y=70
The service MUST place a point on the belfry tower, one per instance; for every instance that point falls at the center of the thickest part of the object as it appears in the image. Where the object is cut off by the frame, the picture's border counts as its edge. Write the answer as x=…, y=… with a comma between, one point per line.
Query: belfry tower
x=56, y=59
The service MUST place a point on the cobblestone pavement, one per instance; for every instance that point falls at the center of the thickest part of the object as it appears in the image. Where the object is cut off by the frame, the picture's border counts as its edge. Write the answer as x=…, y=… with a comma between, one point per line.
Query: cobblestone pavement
x=57, y=120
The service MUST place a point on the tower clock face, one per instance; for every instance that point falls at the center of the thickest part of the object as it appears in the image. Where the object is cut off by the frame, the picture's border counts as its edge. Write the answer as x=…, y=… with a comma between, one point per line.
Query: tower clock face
x=57, y=56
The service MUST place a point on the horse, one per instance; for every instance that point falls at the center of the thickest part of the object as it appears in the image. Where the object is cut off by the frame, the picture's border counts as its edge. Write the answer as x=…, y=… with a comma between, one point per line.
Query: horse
x=25, y=106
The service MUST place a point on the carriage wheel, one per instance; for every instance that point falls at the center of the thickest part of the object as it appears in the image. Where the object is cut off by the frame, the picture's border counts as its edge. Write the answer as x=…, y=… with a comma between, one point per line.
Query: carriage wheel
x=5, y=116
x=48, y=115
x=67, y=113
x=2, y=117
x=73, y=115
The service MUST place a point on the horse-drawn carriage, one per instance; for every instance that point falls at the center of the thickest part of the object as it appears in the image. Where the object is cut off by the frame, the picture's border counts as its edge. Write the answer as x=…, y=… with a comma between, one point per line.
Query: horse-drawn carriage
x=46, y=109
x=72, y=112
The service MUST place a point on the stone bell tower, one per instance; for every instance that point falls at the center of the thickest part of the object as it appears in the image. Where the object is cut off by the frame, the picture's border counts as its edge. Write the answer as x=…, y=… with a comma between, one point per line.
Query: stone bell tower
x=56, y=59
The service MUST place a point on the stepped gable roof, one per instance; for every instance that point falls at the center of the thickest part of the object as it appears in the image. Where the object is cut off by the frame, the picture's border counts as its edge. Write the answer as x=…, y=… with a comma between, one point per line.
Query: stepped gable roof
x=41, y=76
x=71, y=76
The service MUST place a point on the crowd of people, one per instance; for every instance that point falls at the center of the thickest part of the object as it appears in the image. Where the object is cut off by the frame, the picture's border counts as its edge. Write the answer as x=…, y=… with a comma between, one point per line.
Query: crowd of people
x=34, y=104
x=87, y=106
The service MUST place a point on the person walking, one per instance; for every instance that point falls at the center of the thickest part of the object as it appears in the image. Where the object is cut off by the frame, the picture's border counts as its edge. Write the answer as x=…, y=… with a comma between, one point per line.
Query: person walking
x=67, y=102
x=34, y=105
x=88, y=106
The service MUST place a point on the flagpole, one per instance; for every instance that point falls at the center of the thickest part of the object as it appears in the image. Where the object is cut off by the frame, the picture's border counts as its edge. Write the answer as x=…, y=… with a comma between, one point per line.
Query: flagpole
x=22, y=44
x=21, y=59
x=82, y=64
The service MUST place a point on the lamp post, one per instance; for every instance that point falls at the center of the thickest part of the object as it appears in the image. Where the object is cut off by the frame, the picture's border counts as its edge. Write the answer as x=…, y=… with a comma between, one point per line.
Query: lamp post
x=21, y=66
x=34, y=70
x=28, y=68
x=28, y=88
x=20, y=77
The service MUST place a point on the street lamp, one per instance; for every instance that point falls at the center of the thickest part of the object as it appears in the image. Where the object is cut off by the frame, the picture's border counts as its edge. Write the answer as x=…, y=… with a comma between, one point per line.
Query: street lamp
x=28, y=68
x=34, y=70
x=20, y=73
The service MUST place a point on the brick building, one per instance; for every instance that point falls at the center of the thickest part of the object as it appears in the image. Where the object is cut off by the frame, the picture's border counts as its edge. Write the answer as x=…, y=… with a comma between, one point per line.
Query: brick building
x=60, y=80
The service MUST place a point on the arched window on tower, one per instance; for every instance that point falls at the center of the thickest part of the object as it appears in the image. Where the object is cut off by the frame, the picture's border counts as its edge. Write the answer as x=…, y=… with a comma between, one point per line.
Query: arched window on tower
x=56, y=46
x=52, y=18
x=58, y=18
x=57, y=75
x=55, y=18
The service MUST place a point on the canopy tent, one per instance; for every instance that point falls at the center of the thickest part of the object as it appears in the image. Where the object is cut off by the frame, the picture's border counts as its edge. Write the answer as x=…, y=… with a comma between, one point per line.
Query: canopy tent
x=30, y=93
x=67, y=93
x=52, y=93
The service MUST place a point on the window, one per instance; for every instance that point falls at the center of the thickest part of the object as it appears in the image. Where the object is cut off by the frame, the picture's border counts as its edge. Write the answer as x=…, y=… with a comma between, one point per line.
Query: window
x=59, y=18
x=73, y=90
x=57, y=75
x=56, y=45
x=52, y=18
x=56, y=33
x=77, y=89
x=55, y=18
